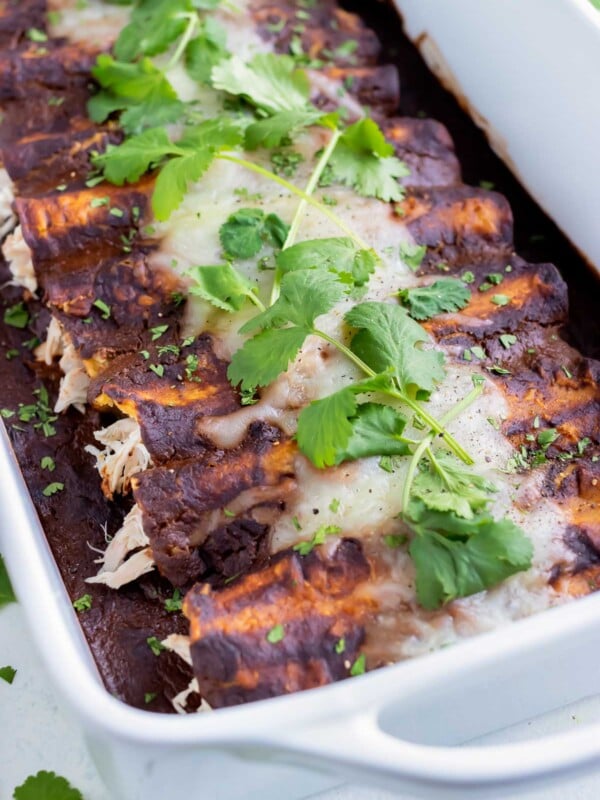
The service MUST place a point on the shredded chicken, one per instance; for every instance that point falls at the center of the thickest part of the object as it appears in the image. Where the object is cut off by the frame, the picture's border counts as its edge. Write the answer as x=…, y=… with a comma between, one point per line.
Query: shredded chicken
x=8, y=218
x=180, y=645
x=123, y=455
x=17, y=254
x=75, y=381
x=117, y=568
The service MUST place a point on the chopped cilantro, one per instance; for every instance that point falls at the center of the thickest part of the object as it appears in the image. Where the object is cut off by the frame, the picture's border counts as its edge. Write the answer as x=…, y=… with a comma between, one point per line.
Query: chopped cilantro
x=103, y=308
x=155, y=645
x=47, y=462
x=276, y=634
x=83, y=603
x=304, y=548
x=158, y=331
x=360, y=665
x=340, y=646
x=17, y=316
x=53, y=488
x=174, y=603
x=500, y=300
x=157, y=369
x=507, y=340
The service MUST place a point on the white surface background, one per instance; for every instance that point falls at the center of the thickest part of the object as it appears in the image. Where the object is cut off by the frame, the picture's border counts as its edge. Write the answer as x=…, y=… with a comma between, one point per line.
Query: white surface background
x=37, y=733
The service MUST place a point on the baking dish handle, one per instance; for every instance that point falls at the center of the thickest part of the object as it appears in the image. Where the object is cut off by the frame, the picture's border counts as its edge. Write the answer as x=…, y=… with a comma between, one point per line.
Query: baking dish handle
x=361, y=746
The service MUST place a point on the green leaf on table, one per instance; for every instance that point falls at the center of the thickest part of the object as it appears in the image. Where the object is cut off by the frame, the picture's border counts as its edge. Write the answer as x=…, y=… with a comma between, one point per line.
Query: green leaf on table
x=444, y=295
x=46, y=786
x=364, y=160
x=388, y=339
x=8, y=674
x=221, y=285
x=454, y=557
x=6, y=591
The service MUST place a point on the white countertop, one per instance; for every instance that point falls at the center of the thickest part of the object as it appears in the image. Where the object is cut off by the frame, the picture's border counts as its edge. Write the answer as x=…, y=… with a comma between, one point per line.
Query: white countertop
x=37, y=733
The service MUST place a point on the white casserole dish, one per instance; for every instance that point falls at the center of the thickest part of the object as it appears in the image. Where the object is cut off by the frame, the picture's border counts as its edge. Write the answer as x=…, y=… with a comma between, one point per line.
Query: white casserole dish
x=395, y=727
x=527, y=72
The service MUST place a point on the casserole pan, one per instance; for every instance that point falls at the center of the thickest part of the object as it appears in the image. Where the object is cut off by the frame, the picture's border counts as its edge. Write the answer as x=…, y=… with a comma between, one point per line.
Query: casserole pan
x=509, y=77
x=385, y=729
x=388, y=728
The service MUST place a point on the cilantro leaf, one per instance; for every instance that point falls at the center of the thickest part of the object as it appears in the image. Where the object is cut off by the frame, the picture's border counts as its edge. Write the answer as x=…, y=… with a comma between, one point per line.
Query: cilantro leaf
x=336, y=429
x=173, y=179
x=221, y=285
x=265, y=357
x=445, y=485
x=153, y=27
x=206, y=51
x=245, y=232
x=271, y=83
x=304, y=296
x=129, y=161
x=140, y=90
x=274, y=130
x=388, y=338
x=338, y=255
x=446, y=294
x=46, y=786
x=188, y=159
x=454, y=557
x=6, y=591
x=376, y=431
x=324, y=427
x=364, y=160
x=412, y=255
